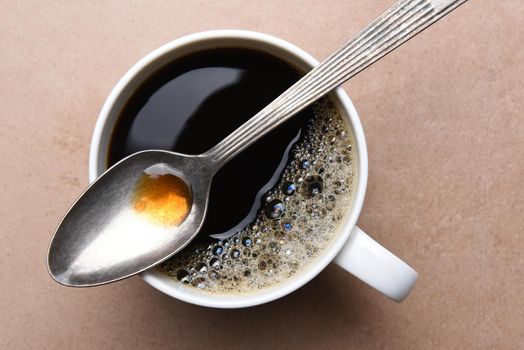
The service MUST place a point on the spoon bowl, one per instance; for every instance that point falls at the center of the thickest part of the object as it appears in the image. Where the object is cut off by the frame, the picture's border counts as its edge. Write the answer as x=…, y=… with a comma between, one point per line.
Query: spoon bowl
x=102, y=238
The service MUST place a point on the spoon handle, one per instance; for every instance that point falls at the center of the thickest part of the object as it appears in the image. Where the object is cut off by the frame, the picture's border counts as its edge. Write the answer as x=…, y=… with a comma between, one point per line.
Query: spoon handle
x=401, y=22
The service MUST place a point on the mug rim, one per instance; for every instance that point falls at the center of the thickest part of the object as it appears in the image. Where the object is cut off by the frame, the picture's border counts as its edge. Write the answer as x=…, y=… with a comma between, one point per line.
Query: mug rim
x=167, y=285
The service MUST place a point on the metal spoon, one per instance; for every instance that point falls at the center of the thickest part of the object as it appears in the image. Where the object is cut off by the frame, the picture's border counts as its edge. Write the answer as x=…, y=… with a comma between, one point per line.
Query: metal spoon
x=101, y=239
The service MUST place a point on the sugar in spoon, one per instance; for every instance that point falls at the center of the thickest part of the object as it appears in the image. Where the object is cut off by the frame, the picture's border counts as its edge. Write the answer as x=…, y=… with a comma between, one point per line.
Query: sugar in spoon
x=107, y=235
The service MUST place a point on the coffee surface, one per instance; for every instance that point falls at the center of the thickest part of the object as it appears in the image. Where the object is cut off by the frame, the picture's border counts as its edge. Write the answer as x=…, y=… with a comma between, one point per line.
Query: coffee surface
x=196, y=101
x=274, y=207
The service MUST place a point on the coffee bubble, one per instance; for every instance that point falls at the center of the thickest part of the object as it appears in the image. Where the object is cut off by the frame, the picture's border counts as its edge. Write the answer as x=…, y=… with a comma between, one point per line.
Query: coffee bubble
x=298, y=218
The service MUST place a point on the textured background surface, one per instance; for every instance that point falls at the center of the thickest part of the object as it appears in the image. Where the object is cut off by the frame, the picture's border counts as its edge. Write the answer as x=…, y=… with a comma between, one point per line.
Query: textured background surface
x=444, y=121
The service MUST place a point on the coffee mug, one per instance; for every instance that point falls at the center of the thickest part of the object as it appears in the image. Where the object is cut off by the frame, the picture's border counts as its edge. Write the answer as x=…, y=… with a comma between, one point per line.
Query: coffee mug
x=352, y=249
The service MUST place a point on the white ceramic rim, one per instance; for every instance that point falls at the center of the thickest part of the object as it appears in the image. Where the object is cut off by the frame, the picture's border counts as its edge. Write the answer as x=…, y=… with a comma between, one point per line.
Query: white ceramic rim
x=170, y=287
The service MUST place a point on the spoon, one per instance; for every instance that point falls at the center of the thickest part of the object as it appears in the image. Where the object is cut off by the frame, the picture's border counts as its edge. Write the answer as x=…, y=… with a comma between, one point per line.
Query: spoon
x=103, y=239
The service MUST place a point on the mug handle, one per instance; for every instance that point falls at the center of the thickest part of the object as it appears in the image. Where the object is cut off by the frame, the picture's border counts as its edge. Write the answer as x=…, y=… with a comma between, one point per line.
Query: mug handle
x=376, y=266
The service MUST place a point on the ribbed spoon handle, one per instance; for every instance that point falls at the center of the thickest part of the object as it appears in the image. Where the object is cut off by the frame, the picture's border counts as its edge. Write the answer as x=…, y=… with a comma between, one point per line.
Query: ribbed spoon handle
x=401, y=22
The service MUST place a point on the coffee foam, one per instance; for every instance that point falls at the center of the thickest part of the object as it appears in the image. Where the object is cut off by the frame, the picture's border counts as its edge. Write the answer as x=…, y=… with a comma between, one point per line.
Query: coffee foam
x=298, y=219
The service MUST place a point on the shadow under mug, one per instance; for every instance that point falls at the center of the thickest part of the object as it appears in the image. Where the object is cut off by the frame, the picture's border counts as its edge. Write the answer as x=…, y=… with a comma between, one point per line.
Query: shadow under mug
x=351, y=248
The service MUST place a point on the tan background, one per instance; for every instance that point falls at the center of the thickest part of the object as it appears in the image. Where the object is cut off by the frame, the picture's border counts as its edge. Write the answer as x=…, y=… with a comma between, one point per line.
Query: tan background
x=444, y=122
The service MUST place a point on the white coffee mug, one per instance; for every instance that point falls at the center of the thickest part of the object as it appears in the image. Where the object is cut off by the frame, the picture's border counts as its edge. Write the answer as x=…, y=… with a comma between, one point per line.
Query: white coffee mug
x=352, y=249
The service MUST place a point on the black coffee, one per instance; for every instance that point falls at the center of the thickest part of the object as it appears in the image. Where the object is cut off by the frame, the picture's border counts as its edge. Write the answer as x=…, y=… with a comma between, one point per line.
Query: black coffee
x=275, y=207
x=193, y=103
